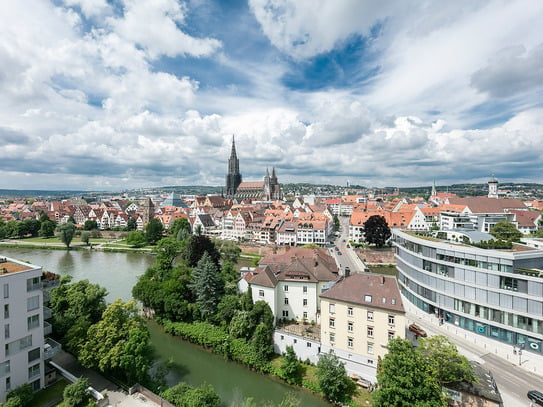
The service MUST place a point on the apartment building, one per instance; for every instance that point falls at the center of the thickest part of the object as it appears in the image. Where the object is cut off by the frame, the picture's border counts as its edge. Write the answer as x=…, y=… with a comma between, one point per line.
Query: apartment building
x=359, y=315
x=492, y=293
x=23, y=348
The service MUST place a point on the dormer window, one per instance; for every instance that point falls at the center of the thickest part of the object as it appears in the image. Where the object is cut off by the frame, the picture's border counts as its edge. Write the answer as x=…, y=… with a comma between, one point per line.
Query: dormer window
x=367, y=298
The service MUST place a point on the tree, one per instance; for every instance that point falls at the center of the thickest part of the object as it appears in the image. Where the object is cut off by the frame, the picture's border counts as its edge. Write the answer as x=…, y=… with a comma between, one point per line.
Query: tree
x=181, y=224
x=119, y=344
x=334, y=383
x=228, y=250
x=167, y=250
x=131, y=224
x=446, y=363
x=47, y=229
x=376, y=230
x=76, y=394
x=505, y=230
x=75, y=307
x=135, y=239
x=405, y=379
x=291, y=368
x=336, y=223
x=195, y=248
x=85, y=237
x=66, y=232
x=90, y=225
x=184, y=395
x=153, y=231
x=20, y=397
x=32, y=227
x=208, y=286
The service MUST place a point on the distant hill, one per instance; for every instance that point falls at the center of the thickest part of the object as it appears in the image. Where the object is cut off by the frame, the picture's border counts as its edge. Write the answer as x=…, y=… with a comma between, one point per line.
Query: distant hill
x=36, y=193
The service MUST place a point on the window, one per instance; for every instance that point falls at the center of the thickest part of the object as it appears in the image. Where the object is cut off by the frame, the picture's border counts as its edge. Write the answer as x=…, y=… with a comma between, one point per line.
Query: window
x=384, y=300
x=33, y=284
x=350, y=311
x=305, y=289
x=33, y=355
x=261, y=293
x=285, y=288
x=6, y=311
x=285, y=313
x=33, y=321
x=390, y=335
x=332, y=308
x=295, y=340
x=332, y=323
x=36, y=385
x=286, y=301
x=305, y=302
x=8, y=383
x=305, y=314
x=350, y=327
x=393, y=301
x=6, y=331
x=391, y=319
x=350, y=342
x=16, y=346
x=34, y=371
x=308, y=344
x=370, y=315
x=6, y=290
x=332, y=338
x=367, y=298
x=370, y=331
x=282, y=337
x=5, y=368
x=370, y=348
x=32, y=303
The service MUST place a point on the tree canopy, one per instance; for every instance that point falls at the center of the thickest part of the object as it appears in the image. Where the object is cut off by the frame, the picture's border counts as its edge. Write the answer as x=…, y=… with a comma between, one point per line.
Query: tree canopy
x=119, y=344
x=446, y=363
x=334, y=383
x=505, y=230
x=376, y=230
x=66, y=232
x=153, y=231
x=208, y=286
x=406, y=379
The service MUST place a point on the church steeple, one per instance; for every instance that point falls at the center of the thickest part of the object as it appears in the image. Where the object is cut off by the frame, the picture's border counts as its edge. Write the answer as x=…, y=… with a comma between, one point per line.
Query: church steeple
x=434, y=192
x=233, y=177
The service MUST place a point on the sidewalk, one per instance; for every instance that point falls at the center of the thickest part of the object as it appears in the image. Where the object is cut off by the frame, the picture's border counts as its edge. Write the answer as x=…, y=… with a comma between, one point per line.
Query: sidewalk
x=529, y=361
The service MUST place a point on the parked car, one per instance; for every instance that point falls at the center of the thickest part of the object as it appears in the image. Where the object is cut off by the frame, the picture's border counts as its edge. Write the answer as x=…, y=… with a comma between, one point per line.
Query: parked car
x=418, y=330
x=536, y=397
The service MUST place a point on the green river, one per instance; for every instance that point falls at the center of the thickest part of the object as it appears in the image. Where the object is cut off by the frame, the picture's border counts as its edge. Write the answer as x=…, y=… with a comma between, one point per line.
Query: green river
x=118, y=272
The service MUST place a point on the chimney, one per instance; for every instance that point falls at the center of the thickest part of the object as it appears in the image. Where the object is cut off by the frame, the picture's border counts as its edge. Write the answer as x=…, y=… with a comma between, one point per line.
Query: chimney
x=382, y=280
x=347, y=272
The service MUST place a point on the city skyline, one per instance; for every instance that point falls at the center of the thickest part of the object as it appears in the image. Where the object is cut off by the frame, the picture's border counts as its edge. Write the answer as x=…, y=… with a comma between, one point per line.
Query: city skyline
x=111, y=95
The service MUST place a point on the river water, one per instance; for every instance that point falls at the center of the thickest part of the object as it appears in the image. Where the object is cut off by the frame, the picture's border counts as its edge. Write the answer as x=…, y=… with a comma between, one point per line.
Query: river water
x=118, y=272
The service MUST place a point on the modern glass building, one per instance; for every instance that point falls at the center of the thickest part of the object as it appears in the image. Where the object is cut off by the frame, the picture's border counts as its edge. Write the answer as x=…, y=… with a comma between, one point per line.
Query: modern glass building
x=494, y=293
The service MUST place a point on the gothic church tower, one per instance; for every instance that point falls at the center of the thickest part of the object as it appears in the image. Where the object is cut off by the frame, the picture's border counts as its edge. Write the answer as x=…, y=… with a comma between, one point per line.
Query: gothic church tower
x=233, y=177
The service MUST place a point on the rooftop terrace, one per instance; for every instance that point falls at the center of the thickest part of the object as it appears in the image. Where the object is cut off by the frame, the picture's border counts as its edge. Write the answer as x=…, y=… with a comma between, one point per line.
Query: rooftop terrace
x=8, y=267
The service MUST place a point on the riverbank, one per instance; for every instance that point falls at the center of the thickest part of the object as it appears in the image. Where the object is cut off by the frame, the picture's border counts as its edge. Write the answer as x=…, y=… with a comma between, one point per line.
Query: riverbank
x=112, y=246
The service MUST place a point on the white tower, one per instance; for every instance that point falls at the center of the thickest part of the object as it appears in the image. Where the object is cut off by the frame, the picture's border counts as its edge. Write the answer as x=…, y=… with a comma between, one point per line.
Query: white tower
x=493, y=187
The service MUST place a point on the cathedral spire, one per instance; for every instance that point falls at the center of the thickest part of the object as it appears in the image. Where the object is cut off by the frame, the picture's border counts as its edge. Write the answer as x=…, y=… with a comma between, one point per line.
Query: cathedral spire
x=233, y=177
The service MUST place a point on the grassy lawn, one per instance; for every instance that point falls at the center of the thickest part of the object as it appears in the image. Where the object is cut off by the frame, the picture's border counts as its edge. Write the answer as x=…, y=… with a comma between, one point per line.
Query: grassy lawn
x=387, y=270
x=54, y=392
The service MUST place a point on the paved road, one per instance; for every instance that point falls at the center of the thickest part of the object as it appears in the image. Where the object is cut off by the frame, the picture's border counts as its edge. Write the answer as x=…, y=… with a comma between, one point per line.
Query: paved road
x=513, y=381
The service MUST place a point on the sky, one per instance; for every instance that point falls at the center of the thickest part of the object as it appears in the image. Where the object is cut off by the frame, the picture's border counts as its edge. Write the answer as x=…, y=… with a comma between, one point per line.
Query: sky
x=123, y=94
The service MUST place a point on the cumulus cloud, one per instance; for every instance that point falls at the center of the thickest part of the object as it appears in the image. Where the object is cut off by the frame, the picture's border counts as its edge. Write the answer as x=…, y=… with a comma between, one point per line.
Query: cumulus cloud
x=153, y=25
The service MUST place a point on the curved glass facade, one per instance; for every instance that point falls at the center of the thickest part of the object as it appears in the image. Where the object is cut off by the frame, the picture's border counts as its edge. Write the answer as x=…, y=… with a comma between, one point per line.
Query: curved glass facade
x=494, y=293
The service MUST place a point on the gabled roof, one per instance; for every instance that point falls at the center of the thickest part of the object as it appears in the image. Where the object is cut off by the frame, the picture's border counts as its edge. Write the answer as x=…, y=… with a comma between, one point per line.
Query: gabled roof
x=369, y=290
x=482, y=204
x=264, y=277
x=526, y=218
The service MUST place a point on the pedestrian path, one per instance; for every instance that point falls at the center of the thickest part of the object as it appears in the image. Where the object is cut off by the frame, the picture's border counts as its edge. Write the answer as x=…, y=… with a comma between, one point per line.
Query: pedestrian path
x=529, y=361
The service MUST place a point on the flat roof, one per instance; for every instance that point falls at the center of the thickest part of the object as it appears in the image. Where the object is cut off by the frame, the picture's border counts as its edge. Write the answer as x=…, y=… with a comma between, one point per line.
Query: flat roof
x=10, y=266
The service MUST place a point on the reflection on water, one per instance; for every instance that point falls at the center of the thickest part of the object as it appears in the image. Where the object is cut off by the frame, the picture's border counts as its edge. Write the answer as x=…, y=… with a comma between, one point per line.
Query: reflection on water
x=117, y=272
x=66, y=262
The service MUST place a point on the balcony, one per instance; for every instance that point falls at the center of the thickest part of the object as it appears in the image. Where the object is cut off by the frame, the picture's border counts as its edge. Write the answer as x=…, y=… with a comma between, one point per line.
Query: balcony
x=51, y=348
x=47, y=328
x=47, y=313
